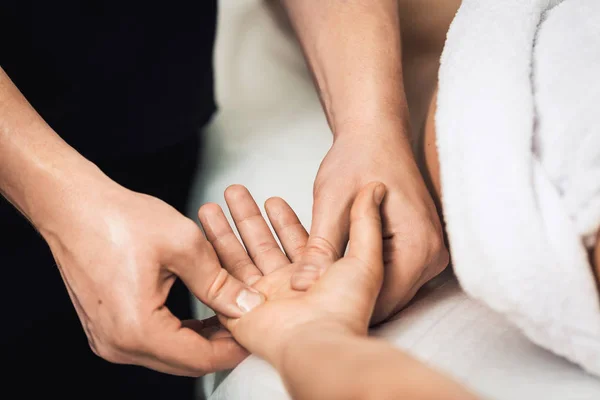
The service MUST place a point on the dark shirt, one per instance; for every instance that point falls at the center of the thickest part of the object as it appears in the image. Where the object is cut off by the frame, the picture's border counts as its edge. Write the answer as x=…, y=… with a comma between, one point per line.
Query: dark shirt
x=113, y=78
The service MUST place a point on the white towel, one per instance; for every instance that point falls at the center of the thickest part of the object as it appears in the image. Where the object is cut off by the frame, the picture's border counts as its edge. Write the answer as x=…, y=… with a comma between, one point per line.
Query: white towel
x=519, y=145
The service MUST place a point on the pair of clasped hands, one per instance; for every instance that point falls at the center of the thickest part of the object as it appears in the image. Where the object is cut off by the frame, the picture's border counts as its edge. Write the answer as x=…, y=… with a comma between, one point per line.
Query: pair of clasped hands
x=122, y=251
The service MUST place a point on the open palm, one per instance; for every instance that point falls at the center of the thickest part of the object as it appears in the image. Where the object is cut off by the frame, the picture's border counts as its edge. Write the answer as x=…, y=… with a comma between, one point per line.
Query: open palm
x=341, y=301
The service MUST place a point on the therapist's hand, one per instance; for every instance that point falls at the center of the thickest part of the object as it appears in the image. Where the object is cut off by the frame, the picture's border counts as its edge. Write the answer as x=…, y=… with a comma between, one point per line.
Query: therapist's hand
x=413, y=251
x=119, y=253
x=342, y=301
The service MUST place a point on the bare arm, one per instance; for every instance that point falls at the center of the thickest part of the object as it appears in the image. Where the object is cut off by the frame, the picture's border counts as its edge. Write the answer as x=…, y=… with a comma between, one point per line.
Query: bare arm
x=34, y=158
x=353, y=48
x=317, y=365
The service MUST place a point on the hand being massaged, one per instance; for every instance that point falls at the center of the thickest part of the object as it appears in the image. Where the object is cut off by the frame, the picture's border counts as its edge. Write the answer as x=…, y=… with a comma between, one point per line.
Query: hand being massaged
x=342, y=300
x=317, y=338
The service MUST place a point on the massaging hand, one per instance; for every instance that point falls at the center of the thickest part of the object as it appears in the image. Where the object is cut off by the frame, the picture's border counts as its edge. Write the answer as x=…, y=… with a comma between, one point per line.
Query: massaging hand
x=119, y=253
x=414, y=250
x=342, y=300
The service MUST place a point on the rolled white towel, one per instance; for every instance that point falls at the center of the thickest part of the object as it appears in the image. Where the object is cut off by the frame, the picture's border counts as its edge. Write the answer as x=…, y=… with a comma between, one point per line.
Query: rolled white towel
x=519, y=148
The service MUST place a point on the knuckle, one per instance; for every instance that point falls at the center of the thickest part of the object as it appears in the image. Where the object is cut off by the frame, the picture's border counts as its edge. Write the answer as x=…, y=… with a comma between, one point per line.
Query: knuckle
x=119, y=342
x=127, y=337
x=434, y=255
x=125, y=344
x=263, y=249
x=106, y=350
x=203, y=367
x=240, y=265
x=191, y=237
x=296, y=249
x=423, y=245
x=438, y=255
x=320, y=247
x=102, y=347
x=109, y=354
x=441, y=260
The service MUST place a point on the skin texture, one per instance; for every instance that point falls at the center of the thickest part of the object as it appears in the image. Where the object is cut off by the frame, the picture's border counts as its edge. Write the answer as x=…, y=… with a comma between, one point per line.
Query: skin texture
x=327, y=324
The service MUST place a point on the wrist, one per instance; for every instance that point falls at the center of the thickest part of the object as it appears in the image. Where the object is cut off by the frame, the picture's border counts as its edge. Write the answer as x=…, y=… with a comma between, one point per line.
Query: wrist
x=304, y=337
x=383, y=126
x=60, y=189
x=386, y=135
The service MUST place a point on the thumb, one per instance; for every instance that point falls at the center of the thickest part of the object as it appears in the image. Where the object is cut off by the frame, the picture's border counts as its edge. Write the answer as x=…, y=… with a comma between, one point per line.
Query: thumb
x=327, y=240
x=197, y=265
x=360, y=273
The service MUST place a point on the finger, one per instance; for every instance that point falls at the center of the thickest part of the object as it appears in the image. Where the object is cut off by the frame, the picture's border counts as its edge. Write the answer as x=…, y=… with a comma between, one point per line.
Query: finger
x=194, y=260
x=231, y=253
x=366, y=241
x=178, y=349
x=305, y=277
x=254, y=231
x=327, y=239
x=287, y=226
x=360, y=274
x=329, y=230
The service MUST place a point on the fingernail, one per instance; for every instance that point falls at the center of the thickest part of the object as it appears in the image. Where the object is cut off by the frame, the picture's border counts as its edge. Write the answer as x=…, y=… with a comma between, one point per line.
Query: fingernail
x=379, y=193
x=249, y=299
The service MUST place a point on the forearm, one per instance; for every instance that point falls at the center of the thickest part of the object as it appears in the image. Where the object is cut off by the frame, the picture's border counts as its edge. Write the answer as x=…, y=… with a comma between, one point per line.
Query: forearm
x=37, y=168
x=321, y=366
x=353, y=48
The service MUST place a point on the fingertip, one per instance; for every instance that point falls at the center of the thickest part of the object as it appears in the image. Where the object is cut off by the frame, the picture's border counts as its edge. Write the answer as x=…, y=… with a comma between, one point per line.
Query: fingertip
x=273, y=204
x=371, y=194
x=208, y=209
x=213, y=220
x=279, y=210
x=235, y=191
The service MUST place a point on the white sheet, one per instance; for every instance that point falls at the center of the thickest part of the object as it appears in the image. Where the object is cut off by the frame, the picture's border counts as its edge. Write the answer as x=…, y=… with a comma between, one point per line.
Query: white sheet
x=459, y=336
x=271, y=135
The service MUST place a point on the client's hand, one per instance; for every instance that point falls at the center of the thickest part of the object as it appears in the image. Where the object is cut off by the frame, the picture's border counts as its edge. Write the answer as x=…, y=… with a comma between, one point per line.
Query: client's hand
x=341, y=301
